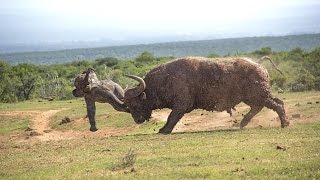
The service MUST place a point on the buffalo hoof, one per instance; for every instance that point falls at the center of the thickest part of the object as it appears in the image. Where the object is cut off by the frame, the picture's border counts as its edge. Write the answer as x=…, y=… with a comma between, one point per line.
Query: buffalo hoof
x=285, y=124
x=162, y=131
x=93, y=129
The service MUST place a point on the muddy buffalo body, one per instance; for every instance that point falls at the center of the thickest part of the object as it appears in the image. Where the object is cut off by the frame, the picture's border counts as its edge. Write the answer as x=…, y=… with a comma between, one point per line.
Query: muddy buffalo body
x=192, y=83
x=93, y=90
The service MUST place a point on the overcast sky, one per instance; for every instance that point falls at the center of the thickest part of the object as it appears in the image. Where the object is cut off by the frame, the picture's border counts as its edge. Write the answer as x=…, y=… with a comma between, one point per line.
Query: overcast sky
x=67, y=20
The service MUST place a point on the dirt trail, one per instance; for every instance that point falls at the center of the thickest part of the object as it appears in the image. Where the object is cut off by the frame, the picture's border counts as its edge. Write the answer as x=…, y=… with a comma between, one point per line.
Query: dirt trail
x=41, y=121
x=40, y=127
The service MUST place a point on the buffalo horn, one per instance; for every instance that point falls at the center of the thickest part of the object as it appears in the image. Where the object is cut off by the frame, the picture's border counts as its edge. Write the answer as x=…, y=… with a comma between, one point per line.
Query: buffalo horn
x=136, y=91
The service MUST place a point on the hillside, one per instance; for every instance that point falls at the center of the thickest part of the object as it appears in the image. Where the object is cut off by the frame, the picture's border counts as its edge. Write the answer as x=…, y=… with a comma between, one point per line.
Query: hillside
x=177, y=49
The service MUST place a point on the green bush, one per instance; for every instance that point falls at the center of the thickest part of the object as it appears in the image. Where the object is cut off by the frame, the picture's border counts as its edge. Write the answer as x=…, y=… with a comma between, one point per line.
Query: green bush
x=108, y=61
x=26, y=81
x=145, y=58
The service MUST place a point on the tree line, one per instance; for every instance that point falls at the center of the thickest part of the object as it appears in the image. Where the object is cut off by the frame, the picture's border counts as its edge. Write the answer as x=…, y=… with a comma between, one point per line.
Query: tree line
x=28, y=81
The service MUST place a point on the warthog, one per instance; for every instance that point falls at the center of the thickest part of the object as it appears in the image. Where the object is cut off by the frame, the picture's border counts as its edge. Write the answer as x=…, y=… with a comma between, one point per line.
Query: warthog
x=93, y=90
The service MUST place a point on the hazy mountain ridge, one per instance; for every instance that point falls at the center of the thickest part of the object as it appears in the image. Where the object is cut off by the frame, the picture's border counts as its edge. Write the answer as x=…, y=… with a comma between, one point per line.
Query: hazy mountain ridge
x=177, y=49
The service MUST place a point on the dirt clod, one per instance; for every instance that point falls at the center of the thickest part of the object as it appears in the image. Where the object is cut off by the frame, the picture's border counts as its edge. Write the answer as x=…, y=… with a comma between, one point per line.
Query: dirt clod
x=33, y=133
x=282, y=147
x=47, y=131
x=28, y=129
x=65, y=120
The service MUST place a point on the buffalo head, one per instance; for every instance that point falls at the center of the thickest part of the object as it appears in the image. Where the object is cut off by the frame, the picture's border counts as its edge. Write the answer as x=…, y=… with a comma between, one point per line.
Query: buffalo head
x=135, y=99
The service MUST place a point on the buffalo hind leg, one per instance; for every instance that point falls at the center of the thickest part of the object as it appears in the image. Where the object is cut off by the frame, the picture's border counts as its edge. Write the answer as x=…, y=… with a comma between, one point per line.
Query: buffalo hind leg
x=253, y=111
x=173, y=119
x=278, y=106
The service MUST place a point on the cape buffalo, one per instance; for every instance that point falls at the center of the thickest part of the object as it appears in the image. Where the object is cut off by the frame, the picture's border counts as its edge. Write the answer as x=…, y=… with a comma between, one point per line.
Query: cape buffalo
x=93, y=90
x=201, y=83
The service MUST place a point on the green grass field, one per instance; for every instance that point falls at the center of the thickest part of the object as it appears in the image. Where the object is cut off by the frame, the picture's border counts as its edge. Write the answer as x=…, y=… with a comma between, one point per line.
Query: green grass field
x=141, y=153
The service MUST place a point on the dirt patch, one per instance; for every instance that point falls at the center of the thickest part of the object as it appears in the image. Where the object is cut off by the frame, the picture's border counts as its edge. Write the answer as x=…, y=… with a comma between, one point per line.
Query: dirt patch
x=42, y=120
x=200, y=120
x=40, y=128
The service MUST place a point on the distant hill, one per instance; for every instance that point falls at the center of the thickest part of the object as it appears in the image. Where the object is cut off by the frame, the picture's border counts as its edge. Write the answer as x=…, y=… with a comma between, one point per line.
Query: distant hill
x=177, y=49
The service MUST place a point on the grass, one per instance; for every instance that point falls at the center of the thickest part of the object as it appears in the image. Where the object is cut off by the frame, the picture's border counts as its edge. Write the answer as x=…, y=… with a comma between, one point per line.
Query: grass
x=225, y=154
x=41, y=105
x=126, y=161
x=12, y=125
x=306, y=103
x=143, y=154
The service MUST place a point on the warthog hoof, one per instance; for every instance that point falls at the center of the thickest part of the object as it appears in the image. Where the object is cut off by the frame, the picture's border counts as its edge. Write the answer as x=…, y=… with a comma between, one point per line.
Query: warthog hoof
x=93, y=129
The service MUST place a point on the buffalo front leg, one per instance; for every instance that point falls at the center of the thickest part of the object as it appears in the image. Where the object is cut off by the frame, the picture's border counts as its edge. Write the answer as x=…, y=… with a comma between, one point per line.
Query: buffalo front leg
x=91, y=112
x=253, y=111
x=173, y=119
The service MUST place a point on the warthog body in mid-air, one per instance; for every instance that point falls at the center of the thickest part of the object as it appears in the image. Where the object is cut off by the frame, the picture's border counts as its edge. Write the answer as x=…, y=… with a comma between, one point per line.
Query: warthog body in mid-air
x=93, y=90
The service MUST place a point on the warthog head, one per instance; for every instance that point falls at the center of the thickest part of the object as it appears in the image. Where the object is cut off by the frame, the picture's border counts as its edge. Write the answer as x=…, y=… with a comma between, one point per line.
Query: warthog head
x=81, y=83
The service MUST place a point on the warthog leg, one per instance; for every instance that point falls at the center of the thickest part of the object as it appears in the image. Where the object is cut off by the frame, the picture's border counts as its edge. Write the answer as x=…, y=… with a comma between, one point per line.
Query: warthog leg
x=91, y=112
x=253, y=111
x=278, y=106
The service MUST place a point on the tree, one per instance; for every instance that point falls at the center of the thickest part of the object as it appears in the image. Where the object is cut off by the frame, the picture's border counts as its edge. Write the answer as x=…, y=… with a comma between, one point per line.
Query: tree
x=52, y=86
x=145, y=57
x=296, y=54
x=312, y=64
x=7, y=85
x=26, y=75
x=302, y=81
x=108, y=61
x=263, y=51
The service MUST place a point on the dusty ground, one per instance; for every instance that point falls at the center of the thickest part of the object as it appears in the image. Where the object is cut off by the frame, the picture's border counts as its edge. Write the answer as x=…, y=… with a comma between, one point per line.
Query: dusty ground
x=40, y=128
x=197, y=120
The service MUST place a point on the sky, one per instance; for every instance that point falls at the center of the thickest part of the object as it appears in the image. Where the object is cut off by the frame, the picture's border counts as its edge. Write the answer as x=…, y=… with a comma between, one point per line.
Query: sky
x=32, y=21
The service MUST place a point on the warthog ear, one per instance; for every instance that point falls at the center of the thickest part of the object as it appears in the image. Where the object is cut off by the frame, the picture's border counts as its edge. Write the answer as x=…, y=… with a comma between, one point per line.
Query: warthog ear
x=77, y=93
x=143, y=96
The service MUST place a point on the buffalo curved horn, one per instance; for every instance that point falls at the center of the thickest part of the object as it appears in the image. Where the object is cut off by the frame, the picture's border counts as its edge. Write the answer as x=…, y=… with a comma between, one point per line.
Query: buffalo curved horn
x=107, y=93
x=112, y=95
x=136, y=91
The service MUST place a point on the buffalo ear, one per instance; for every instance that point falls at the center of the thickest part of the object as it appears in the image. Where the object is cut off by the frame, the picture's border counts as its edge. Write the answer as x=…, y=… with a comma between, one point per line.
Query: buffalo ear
x=143, y=96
